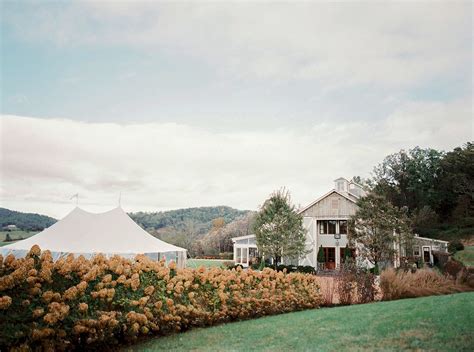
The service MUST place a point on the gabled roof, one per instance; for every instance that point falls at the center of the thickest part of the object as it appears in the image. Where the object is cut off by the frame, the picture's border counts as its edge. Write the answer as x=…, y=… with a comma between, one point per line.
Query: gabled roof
x=242, y=237
x=347, y=196
x=429, y=239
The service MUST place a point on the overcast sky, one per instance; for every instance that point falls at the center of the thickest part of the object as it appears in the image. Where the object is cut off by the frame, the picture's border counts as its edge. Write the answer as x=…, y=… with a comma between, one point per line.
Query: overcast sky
x=181, y=105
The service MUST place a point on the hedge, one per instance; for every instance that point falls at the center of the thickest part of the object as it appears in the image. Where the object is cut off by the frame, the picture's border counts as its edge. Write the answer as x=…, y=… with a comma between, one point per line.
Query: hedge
x=75, y=303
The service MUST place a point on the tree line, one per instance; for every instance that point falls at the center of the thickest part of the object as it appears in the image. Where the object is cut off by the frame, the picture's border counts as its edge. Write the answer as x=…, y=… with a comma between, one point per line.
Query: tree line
x=436, y=188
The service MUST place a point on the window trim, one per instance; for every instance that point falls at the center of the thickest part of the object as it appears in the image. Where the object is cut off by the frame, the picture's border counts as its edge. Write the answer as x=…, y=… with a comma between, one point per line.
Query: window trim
x=415, y=248
x=324, y=224
x=339, y=227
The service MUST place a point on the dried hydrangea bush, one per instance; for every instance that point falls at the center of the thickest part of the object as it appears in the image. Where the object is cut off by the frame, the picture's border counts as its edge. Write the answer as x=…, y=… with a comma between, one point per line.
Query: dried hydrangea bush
x=75, y=303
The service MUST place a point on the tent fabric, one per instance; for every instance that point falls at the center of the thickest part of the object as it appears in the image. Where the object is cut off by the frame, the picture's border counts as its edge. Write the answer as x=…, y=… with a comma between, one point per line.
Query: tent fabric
x=110, y=233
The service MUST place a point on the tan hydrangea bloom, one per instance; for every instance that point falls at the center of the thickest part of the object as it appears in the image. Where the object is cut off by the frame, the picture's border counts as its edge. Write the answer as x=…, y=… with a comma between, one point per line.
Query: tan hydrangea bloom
x=83, y=307
x=38, y=312
x=149, y=290
x=35, y=250
x=5, y=302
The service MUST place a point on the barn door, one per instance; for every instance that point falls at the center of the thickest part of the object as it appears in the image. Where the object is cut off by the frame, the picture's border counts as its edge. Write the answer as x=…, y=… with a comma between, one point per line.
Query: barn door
x=426, y=255
x=310, y=226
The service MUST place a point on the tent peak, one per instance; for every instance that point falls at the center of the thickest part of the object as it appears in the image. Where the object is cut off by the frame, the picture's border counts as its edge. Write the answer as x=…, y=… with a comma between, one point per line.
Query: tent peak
x=82, y=210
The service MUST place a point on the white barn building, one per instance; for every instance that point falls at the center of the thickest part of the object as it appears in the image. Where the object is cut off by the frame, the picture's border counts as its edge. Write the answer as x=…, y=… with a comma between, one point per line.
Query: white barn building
x=326, y=224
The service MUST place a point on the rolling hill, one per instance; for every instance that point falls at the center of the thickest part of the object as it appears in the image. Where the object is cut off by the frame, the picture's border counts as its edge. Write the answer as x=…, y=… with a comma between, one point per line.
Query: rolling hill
x=25, y=221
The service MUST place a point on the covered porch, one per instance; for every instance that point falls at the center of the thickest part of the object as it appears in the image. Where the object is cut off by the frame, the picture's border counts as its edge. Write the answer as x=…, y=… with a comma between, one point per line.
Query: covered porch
x=245, y=250
x=334, y=257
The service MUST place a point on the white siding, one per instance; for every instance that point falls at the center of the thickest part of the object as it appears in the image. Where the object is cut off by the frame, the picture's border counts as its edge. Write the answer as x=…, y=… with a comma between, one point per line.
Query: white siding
x=334, y=206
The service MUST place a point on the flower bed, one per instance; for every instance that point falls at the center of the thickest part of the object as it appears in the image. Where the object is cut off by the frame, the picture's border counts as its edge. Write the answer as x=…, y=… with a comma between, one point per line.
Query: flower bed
x=83, y=304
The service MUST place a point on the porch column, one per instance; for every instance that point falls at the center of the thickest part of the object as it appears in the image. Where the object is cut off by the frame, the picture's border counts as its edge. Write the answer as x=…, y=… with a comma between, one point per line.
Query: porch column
x=338, y=255
x=316, y=247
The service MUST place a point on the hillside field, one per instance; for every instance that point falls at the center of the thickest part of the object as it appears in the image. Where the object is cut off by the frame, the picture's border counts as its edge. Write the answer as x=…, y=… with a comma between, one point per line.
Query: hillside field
x=437, y=323
x=466, y=256
x=15, y=235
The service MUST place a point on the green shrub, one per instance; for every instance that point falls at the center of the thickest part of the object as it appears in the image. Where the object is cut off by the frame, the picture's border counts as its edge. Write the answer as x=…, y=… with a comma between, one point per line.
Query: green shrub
x=235, y=267
x=321, y=258
x=306, y=269
x=375, y=270
x=455, y=246
x=288, y=268
x=440, y=259
x=228, y=264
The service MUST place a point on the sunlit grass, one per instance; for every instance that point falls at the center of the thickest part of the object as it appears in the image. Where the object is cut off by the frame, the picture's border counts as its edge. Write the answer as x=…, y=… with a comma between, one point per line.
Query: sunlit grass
x=466, y=256
x=438, y=323
x=208, y=263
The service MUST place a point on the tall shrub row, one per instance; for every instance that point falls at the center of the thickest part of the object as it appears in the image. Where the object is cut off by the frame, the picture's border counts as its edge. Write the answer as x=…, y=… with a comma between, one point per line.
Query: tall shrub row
x=75, y=303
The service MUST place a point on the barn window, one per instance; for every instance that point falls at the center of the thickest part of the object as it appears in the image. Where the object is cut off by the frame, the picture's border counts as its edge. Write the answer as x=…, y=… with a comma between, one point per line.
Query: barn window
x=323, y=227
x=343, y=227
x=331, y=227
x=327, y=227
x=416, y=251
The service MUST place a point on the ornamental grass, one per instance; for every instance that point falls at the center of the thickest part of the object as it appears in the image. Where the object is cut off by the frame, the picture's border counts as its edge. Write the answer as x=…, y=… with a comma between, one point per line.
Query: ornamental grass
x=424, y=282
x=75, y=303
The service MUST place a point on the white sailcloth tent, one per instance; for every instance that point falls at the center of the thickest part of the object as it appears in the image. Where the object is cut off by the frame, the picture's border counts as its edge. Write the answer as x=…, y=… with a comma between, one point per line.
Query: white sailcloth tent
x=110, y=233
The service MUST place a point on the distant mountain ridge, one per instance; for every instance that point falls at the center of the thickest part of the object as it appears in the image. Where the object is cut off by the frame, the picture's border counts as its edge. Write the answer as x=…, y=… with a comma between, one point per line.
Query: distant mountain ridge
x=187, y=227
x=199, y=219
x=25, y=221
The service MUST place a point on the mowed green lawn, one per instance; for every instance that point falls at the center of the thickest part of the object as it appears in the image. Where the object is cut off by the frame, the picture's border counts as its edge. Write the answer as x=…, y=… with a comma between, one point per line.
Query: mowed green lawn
x=438, y=323
x=207, y=263
x=15, y=236
x=466, y=256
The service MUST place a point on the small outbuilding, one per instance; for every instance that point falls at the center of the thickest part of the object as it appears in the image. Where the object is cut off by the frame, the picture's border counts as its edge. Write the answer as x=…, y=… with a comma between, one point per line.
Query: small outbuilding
x=245, y=250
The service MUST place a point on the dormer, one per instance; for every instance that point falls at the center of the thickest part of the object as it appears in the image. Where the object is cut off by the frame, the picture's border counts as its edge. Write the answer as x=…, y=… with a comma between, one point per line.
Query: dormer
x=341, y=185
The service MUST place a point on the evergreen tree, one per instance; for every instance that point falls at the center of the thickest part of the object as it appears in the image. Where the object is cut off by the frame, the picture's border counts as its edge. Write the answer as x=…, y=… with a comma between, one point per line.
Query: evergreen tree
x=279, y=228
x=321, y=258
x=347, y=253
x=378, y=226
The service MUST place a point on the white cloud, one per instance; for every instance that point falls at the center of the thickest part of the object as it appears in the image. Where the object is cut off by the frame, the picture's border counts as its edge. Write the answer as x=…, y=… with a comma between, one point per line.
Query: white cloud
x=165, y=165
x=381, y=54
x=338, y=44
